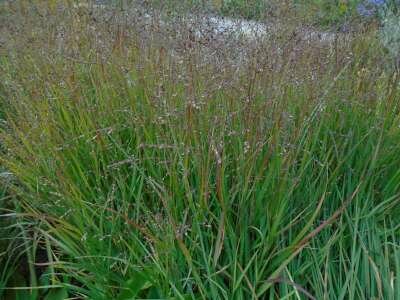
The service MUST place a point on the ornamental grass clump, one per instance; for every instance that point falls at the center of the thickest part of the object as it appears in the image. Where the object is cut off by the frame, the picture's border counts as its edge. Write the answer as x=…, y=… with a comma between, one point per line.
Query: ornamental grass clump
x=151, y=162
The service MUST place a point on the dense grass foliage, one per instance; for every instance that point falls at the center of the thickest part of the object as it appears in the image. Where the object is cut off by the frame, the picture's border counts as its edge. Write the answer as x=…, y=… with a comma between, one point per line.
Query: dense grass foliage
x=131, y=170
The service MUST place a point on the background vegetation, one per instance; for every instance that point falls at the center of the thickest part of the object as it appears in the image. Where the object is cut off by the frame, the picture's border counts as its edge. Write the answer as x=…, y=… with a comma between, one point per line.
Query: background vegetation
x=333, y=14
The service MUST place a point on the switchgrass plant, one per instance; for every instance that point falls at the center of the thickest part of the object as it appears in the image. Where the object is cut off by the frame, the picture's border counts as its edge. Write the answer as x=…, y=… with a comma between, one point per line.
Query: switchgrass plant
x=143, y=169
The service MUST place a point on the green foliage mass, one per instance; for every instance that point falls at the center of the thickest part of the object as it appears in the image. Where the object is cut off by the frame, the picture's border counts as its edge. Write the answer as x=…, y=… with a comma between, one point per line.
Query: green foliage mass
x=133, y=173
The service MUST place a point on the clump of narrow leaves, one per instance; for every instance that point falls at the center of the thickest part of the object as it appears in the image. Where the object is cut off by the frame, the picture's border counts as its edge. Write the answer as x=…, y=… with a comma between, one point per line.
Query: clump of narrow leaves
x=140, y=168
